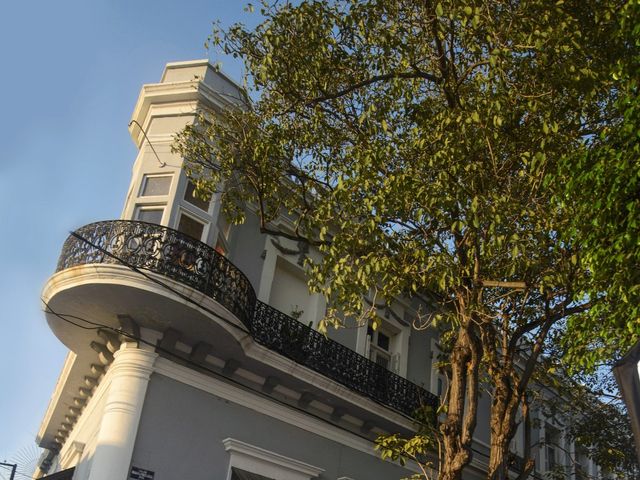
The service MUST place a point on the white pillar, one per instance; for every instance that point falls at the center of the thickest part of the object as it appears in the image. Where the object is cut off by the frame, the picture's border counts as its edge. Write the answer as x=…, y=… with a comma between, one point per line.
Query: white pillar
x=542, y=450
x=573, y=457
x=129, y=377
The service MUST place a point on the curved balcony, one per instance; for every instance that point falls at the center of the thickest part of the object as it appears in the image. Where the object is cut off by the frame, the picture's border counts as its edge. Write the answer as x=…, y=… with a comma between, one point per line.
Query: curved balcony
x=179, y=257
x=164, y=251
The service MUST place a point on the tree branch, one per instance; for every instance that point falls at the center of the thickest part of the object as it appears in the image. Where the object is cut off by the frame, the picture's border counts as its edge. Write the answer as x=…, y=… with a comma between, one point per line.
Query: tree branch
x=375, y=79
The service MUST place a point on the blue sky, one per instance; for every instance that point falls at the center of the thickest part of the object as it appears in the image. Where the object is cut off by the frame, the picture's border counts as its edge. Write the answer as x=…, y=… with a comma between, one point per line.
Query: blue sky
x=71, y=73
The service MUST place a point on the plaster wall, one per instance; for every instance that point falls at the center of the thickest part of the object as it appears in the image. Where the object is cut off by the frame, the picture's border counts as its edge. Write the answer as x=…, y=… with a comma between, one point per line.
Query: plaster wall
x=202, y=70
x=168, y=125
x=289, y=291
x=246, y=248
x=419, y=357
x=182, y=429
x=346, y=336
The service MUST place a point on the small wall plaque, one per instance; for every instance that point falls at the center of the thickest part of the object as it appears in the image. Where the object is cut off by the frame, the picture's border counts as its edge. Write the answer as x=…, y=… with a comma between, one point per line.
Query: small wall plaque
x=138, y=473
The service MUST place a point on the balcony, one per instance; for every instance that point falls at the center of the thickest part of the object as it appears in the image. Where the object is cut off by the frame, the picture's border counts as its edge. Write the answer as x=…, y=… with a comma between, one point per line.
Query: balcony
x=153, y=248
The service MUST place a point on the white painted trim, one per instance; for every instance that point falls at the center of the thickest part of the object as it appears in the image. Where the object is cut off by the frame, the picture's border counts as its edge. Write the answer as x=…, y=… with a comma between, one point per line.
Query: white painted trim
x=200, y=218
x=88, y=422
x=72, y=455
x=268, y=271
x=266, y=463
x=145, y=180
x=398, y=342
x=121, y=275
x=140, y=207
x=435, y=374
x=57, y=392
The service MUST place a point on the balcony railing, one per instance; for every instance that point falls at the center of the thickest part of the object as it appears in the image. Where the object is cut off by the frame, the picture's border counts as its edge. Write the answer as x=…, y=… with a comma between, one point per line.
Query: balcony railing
x=177, y=256
x=165, y=251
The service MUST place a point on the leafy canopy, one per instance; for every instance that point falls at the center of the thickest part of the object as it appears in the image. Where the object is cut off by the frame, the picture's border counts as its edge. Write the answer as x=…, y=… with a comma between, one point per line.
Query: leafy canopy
x=422, y=148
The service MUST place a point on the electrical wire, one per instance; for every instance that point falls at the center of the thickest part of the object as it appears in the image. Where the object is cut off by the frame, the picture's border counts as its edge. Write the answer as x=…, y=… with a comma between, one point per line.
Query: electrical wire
x=162, y=164
x=18, y=472
x=98, y=326
x=161, y=283
x=181, y=295
x=199, y=366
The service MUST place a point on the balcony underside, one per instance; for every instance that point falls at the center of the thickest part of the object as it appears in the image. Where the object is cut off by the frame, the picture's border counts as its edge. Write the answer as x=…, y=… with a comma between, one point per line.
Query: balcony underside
x=167, y=280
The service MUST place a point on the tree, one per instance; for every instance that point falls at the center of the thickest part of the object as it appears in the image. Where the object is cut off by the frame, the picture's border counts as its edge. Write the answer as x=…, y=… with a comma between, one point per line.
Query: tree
x=413, y=143
x=603, y=192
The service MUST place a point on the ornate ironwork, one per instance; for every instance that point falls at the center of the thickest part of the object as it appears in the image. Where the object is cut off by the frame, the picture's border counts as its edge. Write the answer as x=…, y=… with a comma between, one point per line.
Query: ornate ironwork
x=167, y=252
x=306, y=346
x=175, y=255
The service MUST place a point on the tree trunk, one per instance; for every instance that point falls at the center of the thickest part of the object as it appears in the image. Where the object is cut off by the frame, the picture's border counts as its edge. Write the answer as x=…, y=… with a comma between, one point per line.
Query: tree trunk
x=457, y=429
x=504, y=409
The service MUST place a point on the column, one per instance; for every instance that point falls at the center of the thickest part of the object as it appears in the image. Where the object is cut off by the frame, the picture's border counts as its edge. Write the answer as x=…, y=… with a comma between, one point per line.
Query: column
x=542, y=449
x=129, y=377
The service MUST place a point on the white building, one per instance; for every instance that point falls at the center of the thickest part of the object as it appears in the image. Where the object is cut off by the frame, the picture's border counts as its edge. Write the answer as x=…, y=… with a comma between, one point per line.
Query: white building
x=213, y=378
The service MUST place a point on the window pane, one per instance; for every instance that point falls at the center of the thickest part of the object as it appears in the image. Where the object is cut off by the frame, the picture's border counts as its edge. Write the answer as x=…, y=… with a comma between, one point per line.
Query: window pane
x=223, y=226
x=189, y=196
x=383, y=341
x=237, y=474
x=191, y=227
x=151, y=215
x=156, y=186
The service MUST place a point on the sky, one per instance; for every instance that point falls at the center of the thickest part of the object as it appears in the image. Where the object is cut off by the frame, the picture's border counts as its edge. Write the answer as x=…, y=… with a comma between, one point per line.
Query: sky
x=71, y=74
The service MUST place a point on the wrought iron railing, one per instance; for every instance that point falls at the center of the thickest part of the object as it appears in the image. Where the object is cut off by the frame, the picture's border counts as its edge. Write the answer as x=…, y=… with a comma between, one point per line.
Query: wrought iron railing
x=175, y=255
x=167, y=252
x=306, y=346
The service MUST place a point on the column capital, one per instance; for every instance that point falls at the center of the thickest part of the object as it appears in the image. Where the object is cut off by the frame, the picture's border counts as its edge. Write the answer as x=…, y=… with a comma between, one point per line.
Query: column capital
x=130, y=360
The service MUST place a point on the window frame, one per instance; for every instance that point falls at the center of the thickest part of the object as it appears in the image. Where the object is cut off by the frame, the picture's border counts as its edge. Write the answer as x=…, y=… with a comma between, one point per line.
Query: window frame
x=140, y=207
x=184, y=198
x=206, y=224
x=145, y=179
x=259, y=461
x=375, y=350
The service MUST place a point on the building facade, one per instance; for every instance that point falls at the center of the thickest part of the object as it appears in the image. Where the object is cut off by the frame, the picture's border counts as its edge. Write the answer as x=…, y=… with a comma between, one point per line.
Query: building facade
x=192, y=349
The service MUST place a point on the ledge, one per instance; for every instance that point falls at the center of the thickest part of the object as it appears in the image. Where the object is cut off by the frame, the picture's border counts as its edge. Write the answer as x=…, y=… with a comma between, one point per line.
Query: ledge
x=166, y=252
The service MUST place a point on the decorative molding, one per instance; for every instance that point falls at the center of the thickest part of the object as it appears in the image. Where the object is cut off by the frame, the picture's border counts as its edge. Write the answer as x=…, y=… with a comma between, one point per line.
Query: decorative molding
x=123, y=276
x=267, y=463
x=258, y=403
x=281, y=363
x=72, y=455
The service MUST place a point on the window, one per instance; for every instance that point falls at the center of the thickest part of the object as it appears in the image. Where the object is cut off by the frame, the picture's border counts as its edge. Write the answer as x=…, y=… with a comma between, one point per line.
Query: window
x=582, y=463
x=149, y=214
x=190, y=196
x=222, y=244
x=552, y=440
x=379, y=345
x=154, y=185
x=192, y=227
x=238, y=474
x=248, y=462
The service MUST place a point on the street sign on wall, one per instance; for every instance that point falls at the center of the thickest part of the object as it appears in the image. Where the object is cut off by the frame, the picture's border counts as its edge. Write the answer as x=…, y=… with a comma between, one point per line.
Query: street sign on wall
x=138, y=473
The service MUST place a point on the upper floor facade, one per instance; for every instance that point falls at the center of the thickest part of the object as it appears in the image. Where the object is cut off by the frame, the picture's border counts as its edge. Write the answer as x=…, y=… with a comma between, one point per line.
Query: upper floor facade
x=229, y=301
